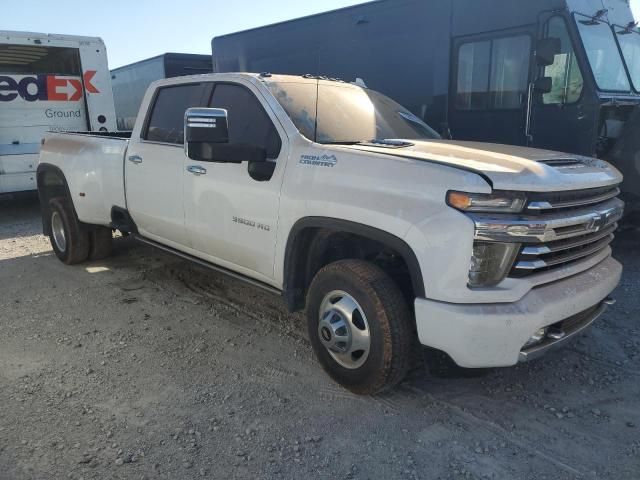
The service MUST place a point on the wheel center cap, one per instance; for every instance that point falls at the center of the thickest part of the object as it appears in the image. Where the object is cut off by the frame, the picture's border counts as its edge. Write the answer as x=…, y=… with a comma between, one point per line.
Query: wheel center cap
x=326, y=334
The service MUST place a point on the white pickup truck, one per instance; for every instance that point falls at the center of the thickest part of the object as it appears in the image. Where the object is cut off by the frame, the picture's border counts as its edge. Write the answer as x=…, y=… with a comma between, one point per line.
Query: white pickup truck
x=350, y=206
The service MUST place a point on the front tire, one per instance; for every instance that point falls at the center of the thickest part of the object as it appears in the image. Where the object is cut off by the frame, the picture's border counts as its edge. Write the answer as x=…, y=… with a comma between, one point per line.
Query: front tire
x=69, y=241
x=359, y=326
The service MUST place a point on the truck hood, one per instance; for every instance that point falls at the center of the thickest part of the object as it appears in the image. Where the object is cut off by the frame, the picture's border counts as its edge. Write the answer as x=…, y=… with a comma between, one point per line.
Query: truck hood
x=508, y=167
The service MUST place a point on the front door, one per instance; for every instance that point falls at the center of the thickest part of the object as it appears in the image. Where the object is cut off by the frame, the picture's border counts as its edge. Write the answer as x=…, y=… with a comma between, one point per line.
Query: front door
x=155, y=162
x=232, y=218
x=490, y=79
x=562, y=119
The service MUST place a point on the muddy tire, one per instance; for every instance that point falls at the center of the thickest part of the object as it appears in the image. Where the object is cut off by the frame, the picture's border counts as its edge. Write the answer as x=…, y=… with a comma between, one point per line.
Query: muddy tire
x=69, y=241
x=101, y=242
x=359, y=326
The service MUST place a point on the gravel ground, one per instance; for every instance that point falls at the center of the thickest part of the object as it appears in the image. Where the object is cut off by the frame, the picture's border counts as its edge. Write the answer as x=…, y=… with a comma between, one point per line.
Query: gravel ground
x=146, y=367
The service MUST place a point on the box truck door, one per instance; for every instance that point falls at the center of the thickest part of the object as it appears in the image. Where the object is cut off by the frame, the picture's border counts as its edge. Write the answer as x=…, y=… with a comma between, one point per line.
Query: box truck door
x=490, y=78
x=563, y=118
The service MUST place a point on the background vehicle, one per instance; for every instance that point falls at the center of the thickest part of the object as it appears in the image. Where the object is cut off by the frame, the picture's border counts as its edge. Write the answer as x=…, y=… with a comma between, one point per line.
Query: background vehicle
x=48, y=82
x=350, y=206
x=470, y=69
x=130, y=82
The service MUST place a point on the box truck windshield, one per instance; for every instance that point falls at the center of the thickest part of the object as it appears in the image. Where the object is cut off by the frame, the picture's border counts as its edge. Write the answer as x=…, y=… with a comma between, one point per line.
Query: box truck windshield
x=629, y=41
x=603, y=54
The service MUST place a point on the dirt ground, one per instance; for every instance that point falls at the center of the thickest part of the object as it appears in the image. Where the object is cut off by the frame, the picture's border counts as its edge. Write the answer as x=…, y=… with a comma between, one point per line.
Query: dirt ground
x=146, y=367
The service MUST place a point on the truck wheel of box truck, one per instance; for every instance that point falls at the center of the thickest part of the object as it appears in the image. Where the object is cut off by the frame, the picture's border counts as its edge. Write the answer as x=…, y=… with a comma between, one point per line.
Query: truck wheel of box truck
x=359, y=326
x=70, y=243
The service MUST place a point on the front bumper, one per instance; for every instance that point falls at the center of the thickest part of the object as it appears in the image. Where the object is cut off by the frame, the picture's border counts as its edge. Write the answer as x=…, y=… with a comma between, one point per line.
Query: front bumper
x=494, y=335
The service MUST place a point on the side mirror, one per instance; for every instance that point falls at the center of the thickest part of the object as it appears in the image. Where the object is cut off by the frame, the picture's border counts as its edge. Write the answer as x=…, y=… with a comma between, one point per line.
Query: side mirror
x=206, y=125
x=206, y=139
x=546, y=51
x=543, y=85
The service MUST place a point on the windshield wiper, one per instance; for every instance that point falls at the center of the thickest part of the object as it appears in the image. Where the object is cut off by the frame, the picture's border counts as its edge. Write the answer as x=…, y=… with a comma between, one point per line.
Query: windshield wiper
x=375, y=142
x=388, y=142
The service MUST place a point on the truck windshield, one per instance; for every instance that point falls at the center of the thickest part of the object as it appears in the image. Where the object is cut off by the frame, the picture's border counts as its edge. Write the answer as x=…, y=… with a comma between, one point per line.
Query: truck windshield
x=603, y=54
x=630, y=45
x=342, y=113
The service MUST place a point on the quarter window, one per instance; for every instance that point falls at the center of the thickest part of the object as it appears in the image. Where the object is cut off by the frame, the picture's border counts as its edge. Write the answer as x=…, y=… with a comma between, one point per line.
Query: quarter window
x=566, y=78
x=166, y=123
x=493, y=74
x=248, y=122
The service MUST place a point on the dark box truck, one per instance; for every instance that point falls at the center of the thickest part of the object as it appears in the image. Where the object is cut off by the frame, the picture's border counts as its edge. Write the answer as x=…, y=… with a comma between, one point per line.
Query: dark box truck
x=555, y=74
x=131, y=81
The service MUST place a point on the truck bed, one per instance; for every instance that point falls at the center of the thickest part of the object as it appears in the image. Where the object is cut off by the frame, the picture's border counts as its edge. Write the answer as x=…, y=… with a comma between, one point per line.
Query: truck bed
x=93, y=163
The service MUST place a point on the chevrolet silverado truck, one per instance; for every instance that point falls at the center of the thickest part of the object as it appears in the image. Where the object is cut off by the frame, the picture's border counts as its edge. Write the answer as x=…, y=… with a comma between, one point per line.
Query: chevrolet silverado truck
x=351, y=207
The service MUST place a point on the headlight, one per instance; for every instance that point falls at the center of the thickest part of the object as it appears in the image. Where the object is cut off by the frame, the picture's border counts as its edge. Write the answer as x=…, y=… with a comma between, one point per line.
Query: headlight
x=496, y=202
x=491, y=263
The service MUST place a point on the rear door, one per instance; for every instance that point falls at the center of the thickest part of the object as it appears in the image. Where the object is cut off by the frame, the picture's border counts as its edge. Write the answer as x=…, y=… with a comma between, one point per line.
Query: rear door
x=155, y=162
x=490, y=79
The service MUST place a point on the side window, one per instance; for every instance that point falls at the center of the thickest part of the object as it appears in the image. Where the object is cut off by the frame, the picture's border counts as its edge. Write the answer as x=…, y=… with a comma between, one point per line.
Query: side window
x=567, y=81
x=493, y=74
x=248, y=122
x=166, y=123
x=473, y=76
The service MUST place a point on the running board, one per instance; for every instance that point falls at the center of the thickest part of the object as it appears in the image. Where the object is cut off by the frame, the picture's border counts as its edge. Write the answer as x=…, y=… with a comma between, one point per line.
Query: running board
x=210, y=266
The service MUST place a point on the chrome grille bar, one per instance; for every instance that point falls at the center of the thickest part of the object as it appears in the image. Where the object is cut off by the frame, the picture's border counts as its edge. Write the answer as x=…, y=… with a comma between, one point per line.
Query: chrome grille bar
x=570, y=256
x=541, y=206
x=550, y=227
x=554, y=247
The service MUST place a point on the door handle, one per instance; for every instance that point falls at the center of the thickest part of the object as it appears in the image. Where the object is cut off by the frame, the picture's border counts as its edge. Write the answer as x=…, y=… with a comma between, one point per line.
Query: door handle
x=135, y=159
x=197, y=171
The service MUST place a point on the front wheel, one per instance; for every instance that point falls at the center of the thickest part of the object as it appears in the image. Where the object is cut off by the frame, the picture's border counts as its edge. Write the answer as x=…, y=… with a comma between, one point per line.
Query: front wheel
x=360, y=326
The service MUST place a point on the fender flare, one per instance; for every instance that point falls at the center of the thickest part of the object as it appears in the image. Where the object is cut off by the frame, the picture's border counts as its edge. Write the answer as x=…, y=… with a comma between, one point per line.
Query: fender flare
x=292, y=292
x=41, y=171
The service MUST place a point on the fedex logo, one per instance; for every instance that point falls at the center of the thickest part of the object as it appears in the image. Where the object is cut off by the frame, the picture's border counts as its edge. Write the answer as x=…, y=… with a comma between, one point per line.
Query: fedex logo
x=46, y=88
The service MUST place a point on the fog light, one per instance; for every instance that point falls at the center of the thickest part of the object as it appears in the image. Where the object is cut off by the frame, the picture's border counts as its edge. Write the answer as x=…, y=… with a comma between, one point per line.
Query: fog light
x=538, y=337
x=491, y=263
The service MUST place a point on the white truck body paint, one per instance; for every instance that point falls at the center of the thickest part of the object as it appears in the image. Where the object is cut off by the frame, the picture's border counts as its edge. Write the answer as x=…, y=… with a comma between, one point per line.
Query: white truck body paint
x=401, y=192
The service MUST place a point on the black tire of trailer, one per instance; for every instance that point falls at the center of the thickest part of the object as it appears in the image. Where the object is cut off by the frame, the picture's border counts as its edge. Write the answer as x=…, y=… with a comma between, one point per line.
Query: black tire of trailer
x=389, y=318
x=76, y=240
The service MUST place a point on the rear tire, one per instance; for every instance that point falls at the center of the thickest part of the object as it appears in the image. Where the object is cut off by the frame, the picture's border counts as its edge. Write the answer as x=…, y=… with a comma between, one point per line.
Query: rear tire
x=101, y=242
x=359, y=326
x=69, y=241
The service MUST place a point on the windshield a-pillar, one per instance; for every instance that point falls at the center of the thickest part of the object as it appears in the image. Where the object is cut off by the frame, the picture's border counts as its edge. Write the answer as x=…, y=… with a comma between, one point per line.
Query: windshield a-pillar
x=603, y=54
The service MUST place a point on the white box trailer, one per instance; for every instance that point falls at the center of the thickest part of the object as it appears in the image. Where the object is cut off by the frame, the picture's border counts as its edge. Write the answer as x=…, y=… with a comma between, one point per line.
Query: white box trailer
x=48, y=83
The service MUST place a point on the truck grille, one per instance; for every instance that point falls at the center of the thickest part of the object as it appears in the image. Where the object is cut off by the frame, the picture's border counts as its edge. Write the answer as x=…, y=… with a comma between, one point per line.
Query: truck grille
x=586, y=231
x=541, y=203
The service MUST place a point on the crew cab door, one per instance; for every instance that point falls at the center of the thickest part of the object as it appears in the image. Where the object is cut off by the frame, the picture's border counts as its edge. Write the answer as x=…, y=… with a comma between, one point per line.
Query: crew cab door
x=490, y=78
x=155, y=163
x=231, y=217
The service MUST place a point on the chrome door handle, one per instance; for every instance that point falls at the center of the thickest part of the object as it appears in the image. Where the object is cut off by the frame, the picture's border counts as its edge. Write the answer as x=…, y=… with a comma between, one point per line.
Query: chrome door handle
x=135, y=159
x=196, y=170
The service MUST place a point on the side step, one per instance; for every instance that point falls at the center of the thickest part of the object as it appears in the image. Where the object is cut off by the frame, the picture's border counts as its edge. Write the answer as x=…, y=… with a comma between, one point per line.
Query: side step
x=210, y=266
